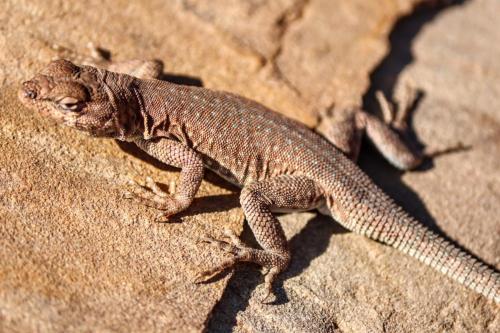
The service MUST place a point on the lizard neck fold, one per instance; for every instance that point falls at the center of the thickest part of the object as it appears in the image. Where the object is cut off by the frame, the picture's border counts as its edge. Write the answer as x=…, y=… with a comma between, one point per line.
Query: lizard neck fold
x=125, y=103
x=155, y=110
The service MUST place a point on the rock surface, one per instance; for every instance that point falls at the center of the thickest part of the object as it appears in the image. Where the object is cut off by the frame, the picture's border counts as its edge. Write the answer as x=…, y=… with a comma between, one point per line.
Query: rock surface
x=76, y=257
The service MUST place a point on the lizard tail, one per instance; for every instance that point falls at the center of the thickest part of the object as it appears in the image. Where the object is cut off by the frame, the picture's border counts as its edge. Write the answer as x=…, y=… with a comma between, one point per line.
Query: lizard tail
x=406, y=234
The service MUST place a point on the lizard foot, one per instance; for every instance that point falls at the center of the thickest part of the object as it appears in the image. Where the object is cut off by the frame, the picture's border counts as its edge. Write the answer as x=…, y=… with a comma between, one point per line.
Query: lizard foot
x=272, y=263
x=151, y=195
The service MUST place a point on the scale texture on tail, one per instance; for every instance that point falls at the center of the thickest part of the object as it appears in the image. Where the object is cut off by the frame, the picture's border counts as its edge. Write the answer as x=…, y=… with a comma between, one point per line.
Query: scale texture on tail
x=390, y=224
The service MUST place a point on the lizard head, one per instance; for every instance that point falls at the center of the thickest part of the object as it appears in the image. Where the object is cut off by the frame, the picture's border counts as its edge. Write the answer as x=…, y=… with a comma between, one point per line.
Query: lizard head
x=80, y=97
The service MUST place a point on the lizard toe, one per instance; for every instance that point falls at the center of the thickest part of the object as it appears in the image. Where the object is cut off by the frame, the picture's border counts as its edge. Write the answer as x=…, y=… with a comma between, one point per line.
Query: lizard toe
x=153, y=186
x=151, y=195
x=206, y=275
x=163, y=217
x=234, y=246
x=268, y=283
x=127, y=195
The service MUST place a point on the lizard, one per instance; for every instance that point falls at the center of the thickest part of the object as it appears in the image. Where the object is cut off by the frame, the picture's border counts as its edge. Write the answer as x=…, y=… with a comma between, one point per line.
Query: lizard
x=279, y=164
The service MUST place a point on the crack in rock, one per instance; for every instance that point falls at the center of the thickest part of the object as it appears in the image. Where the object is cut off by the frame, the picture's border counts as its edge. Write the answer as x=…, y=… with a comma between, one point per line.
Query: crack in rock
x=290, y=16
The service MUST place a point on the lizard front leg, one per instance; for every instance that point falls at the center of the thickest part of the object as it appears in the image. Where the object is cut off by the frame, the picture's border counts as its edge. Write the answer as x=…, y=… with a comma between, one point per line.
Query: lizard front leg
x=175, y=154
x=258, y=201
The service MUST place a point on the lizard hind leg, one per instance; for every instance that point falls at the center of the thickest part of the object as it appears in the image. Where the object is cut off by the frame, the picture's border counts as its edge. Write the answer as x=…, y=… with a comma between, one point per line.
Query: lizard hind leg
x=389, y=144
x=341, y=128
x=344, y=128
x=258, y=201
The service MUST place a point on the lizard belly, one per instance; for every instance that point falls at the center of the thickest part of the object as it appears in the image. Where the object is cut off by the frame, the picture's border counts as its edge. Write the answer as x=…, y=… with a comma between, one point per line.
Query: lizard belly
x=222, y=171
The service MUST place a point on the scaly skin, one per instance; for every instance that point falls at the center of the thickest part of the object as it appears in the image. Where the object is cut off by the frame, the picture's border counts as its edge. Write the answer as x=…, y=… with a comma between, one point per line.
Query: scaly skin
x=280, y=164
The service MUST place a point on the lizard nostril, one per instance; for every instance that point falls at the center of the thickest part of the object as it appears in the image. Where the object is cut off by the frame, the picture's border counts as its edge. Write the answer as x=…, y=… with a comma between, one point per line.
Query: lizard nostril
x=29, y=89
x=29, y=92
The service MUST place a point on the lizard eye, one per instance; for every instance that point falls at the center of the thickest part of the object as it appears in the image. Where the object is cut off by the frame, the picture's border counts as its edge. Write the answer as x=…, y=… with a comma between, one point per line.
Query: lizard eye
x=69, y=103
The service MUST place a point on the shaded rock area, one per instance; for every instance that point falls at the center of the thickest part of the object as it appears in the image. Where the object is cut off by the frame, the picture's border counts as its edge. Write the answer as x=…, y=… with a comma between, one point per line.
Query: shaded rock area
x=75, y=256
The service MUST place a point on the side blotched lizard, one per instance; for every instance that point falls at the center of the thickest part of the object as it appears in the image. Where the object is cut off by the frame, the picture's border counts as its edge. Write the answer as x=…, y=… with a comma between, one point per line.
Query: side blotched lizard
x=280, y=164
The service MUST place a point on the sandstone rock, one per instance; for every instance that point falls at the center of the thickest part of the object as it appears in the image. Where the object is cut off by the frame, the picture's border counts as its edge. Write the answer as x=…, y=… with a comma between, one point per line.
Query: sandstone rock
x=75, y=256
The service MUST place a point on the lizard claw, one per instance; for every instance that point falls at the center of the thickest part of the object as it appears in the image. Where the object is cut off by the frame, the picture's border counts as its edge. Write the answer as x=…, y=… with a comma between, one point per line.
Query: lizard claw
x=435, y=152
x=263, y=299
x=198, y=279
x=268, y=284
x=162, y=218
x=127, y=195
x=132, y=182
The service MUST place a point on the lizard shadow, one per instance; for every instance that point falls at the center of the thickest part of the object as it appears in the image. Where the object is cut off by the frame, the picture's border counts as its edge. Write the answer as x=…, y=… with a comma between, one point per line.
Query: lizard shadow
x=308, y=244
x=211, y=204
x=181, y=79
